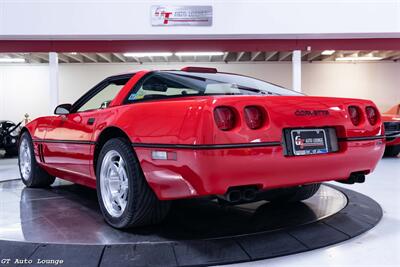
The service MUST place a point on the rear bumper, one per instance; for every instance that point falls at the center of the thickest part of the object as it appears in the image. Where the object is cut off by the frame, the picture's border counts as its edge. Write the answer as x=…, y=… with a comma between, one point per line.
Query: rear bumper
x=212, y=171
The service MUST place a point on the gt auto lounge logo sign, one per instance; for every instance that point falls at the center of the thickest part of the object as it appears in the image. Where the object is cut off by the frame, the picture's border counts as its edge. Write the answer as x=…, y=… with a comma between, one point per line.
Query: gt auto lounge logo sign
x=181, y=15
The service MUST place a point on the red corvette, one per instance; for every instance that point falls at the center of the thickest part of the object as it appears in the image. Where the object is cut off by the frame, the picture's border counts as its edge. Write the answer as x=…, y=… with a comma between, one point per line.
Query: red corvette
x=148, y=137
x=391, y=120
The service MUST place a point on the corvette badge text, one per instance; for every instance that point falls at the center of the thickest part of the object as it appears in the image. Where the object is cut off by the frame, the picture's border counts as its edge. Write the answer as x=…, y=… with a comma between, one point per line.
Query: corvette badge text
x=24, y=261
x=321, y=112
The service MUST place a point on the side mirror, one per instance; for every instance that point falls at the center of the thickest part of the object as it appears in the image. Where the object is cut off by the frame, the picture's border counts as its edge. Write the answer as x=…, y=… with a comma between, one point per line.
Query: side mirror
x=63, y=109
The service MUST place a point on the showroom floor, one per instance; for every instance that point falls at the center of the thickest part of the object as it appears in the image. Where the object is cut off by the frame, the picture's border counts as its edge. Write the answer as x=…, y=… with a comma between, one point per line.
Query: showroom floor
x=374, y=248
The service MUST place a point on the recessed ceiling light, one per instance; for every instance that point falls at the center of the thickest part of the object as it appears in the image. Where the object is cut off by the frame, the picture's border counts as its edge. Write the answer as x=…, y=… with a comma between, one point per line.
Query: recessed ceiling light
x=193, y=54
x=73, y=53
x=148, y=54
x=355, y=58
x=327, y=52
x=12, y=60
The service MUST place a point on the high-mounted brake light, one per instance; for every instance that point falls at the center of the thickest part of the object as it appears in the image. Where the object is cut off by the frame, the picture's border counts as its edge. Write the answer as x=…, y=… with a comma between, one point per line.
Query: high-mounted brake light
x=372, y=115
x=355, y=115
x=225, y=118
x=199, y=69
x=254, y=116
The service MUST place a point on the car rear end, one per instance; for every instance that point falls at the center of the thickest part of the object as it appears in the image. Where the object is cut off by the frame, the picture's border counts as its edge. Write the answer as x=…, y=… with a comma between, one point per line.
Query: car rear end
x=392, y=129
x=266, y=142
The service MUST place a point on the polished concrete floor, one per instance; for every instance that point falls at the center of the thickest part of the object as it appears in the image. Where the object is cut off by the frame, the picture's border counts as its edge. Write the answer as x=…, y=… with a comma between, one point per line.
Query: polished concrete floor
x=377, y=247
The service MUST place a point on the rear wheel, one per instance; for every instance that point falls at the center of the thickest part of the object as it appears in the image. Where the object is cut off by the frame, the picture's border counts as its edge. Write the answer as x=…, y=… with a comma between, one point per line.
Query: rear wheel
x=125, y=198
x=291, y=194
x=392, y=151
x=32, y=174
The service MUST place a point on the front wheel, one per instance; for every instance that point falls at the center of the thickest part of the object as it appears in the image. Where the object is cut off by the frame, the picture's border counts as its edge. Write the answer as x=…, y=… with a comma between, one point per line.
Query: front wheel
x=32, y=174
x=125, y=198
x=291, y=194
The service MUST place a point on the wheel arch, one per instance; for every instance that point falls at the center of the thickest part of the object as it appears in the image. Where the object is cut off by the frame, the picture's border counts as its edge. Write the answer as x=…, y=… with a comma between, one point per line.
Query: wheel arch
x=104, y=136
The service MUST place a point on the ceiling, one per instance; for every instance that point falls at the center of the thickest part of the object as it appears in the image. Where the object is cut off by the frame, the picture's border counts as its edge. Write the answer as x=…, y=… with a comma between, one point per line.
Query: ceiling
x=244, y=56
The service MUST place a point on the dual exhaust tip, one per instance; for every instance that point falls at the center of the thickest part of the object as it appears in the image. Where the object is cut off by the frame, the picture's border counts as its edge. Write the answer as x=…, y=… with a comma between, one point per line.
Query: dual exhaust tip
x=238, y=195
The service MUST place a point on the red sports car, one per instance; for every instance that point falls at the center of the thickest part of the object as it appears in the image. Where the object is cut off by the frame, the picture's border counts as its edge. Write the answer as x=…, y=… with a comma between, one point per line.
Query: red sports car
x=145, y=138
x=391, y=120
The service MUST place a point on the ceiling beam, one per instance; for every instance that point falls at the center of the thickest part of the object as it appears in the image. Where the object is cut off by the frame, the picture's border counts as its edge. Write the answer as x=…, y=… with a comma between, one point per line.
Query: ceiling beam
x=269, y=55
x=75, y=57
x=119, y=56
x=240, y=56
x=91, y=56
x=255, y=55
x=313, y=55
x=106, y=57
x=62, y=58
x=28, y=58
x=284, y=55
x=226, y=54
x=332, y=57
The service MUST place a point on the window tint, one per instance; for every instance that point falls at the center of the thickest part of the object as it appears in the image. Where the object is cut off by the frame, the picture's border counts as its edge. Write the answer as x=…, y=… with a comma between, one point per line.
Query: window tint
x=163, y=84
x=103, y=98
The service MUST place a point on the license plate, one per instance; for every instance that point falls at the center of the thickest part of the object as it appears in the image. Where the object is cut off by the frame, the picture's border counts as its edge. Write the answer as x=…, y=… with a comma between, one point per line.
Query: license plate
x=309, y=141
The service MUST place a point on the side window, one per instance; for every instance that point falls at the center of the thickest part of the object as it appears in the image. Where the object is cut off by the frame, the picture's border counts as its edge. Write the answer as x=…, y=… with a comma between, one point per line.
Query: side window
x=161, y=85
x=103, y=98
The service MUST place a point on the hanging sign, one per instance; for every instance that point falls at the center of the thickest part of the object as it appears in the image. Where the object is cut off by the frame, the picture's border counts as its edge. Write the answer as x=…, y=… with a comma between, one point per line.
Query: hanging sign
x=181, y=15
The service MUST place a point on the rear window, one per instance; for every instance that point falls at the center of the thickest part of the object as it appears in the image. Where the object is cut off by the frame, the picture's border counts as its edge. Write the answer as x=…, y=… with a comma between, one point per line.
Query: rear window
x=164, y=84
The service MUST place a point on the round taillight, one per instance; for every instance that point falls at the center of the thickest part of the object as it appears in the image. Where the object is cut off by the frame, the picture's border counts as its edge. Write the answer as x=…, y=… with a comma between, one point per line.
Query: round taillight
x=372, y=115
x=254, y=117
x=355, y=115
x=225, y=118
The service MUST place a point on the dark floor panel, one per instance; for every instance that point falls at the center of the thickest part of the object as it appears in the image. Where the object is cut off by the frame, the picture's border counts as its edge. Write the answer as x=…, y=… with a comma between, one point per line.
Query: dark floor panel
x=71, y=255
x=16, y=250
x=196, y=232
x=270, y=245
x=367, y=212
x=347, y=224
x=317, y=235
x=199, y=252
x=144, y=254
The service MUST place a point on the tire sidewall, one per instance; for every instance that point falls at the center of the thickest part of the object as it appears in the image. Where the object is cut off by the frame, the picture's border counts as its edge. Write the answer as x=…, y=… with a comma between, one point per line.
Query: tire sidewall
x=129, y=158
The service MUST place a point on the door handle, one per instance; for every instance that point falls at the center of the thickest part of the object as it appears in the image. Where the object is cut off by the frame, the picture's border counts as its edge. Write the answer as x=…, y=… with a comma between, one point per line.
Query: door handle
x=90, y=121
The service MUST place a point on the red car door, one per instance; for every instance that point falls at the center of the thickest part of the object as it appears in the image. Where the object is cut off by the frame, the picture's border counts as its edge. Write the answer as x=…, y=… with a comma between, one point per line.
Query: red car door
x=69, y=142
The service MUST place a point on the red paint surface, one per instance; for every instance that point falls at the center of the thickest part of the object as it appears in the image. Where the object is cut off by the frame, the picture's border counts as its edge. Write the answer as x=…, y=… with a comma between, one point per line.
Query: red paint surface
x=189, y=120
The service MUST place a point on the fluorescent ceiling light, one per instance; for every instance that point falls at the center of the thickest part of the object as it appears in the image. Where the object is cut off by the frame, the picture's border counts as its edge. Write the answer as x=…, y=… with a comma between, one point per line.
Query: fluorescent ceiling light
x=355, y=58
x=327, y=52
x=73, y=53
x=149, y=54
x=193, y=54
x=11, y=60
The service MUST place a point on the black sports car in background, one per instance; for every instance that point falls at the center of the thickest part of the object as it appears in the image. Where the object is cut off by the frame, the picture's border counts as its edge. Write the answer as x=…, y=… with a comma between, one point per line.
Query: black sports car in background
x=9, y=132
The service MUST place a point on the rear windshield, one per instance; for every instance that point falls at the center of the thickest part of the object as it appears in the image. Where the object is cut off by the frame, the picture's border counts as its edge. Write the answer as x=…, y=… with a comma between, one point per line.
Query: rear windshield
x=164, y=84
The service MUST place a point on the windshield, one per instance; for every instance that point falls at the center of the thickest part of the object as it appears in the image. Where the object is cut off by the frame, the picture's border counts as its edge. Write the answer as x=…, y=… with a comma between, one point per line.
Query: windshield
x=163, y=84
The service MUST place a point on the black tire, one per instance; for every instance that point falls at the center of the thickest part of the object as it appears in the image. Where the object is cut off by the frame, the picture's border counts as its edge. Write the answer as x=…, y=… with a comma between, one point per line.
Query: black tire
x=392, y=151
x=291, y=194
x=143, y=207
x=37, y=177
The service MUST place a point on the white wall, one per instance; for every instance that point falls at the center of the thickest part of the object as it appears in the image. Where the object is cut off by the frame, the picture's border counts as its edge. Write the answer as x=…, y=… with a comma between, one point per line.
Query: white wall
x=24, y=88
x=130, y=19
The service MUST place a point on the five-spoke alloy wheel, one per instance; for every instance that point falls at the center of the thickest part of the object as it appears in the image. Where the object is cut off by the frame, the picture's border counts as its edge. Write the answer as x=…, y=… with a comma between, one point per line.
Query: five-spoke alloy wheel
x=125, y=198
